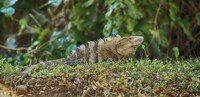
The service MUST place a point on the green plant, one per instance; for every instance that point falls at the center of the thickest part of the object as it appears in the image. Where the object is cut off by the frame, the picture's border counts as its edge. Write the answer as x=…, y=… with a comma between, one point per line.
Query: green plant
x=7, y=8
x=176, y=52
x=7, y=71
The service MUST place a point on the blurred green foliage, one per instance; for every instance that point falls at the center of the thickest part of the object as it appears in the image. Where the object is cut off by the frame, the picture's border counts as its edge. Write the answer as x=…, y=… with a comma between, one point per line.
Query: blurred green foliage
x=51, y=29
x=7, y=8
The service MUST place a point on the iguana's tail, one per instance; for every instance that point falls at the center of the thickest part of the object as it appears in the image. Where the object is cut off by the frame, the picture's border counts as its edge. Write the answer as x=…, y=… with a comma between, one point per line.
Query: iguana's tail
x=62, y=61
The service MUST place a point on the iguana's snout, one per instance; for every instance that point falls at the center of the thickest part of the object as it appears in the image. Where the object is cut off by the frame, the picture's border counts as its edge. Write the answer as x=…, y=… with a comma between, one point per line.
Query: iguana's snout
x=137, y=40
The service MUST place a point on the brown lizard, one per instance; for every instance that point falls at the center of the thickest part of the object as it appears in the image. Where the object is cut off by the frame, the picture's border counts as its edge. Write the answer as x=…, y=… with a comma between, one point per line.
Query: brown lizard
x=114, y=48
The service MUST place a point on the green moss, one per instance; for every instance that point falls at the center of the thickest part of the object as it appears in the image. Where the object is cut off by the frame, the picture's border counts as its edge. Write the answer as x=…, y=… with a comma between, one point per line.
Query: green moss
x=125, y=78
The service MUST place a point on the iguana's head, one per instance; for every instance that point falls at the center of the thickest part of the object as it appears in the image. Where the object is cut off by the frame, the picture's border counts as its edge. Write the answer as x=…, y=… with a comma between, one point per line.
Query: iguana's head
x=127, y=46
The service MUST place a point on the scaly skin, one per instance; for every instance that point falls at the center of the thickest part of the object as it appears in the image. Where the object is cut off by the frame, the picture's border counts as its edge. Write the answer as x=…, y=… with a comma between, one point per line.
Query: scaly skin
x=114, y=48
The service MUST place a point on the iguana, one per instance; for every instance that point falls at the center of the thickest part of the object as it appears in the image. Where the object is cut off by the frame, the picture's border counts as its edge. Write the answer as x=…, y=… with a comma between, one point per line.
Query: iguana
x=114, y=48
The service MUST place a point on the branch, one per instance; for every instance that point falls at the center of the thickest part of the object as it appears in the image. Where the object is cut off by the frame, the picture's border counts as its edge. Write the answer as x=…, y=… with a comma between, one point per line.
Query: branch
x=14, y=49
x=156, y=17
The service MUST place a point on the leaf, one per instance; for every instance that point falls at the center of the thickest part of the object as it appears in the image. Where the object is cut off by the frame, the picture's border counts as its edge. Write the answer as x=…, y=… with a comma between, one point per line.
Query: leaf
x=23, y=23
x=55, y=2
x=155, y=33
x=36, y=29
x=133, y=11
x=70, y=49
x=35, y=20
x=11, y=42
x=56, y=33
x=143, y=47
x=132, y=1
x=109, y=1
x=8, y=3
x=42, y=35
x=111, y=8
x=114, y=32
x=34, y=44
x=94, y=87
x=164, y=41
x=8, y=11
x=185, y=24
x=130, y=24
x=107, y=28
x=12, y=2
x=173, y=11
x=176, y=52
x=88, y=3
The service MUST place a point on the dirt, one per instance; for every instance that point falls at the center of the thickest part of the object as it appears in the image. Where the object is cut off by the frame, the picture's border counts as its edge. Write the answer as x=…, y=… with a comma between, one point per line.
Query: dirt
x=46, y=88
x=38, y=88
